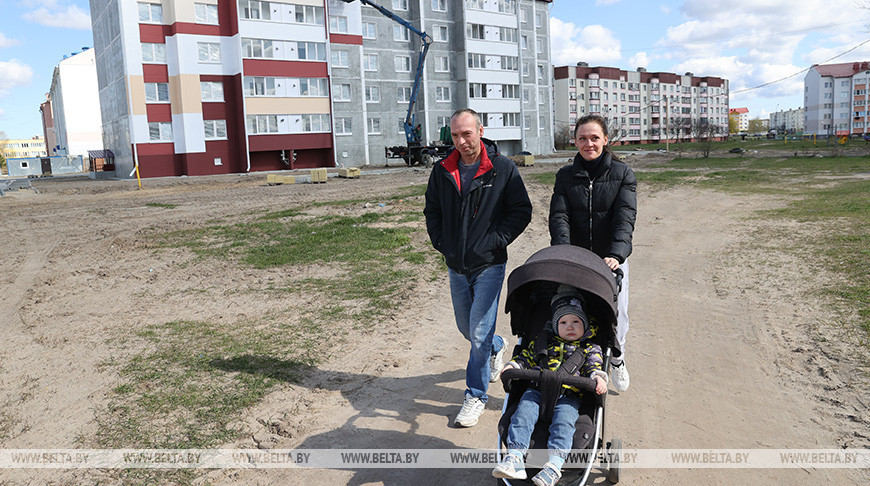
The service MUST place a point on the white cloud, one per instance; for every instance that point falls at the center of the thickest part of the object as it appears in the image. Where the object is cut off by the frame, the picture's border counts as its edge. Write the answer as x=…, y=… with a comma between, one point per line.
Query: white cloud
x=594, y=44
x=13, y=74
x=605, y=2
x=641, y=59
x=52, y=14
x=665, y=9
x=7, y=42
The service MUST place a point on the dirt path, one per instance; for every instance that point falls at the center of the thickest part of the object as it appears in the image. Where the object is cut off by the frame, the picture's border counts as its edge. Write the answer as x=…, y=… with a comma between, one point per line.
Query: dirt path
x=716, y=360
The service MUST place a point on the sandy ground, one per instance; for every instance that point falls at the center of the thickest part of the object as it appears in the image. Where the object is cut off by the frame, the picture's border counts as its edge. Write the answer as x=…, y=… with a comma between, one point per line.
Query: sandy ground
x=723, y=348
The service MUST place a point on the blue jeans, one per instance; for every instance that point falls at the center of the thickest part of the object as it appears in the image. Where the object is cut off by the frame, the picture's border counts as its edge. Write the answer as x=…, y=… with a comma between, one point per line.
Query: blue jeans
x=561, y=428
x=475, y=306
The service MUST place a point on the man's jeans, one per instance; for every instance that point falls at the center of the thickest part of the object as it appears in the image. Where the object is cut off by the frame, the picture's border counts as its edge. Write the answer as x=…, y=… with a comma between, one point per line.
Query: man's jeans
x=475, y=306
x=561, y=428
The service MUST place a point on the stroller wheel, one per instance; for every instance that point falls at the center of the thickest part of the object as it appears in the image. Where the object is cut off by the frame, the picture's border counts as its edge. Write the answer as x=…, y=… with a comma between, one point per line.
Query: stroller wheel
x=614, y=450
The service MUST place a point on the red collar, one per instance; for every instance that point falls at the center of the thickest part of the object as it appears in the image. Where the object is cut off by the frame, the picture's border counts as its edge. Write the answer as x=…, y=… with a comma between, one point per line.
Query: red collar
x=451, y=164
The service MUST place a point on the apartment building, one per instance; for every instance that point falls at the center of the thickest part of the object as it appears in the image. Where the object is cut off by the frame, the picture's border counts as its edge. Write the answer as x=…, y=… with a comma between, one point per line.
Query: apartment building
x=788, y=121
x=742, y=116
x=76, y=126
x=642, y=107
x=218, y=86
x=835, y=99
x=23, y=147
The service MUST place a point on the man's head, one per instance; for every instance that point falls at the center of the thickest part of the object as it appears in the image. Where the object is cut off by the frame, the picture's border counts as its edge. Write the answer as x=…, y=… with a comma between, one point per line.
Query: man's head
x=466, y=130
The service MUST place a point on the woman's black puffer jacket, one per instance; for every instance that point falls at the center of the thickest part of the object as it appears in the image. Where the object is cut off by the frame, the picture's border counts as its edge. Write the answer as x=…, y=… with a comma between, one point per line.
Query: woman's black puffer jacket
x=596, y=211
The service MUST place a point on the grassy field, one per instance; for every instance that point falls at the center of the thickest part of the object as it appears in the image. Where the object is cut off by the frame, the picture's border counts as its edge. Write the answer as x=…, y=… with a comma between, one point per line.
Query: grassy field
x=199, y=376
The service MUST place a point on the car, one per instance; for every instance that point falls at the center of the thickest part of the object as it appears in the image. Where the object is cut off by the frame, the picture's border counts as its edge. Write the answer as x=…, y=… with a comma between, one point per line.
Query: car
x=737, y=150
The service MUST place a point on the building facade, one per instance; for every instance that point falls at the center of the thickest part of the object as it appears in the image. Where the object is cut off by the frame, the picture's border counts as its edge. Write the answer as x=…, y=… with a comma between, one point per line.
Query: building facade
x=75, y=106
x=835, y=99
x=217, y=86
x=742, y=117
x=21, y=148
x=642, y=107
x=788, y=121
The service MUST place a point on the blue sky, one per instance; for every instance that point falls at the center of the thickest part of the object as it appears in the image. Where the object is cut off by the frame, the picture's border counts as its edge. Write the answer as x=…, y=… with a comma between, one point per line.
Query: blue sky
x=749, y=42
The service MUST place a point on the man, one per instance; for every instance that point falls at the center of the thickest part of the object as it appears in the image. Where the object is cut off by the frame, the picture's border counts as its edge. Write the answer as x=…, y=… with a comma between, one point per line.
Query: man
x=476, y=205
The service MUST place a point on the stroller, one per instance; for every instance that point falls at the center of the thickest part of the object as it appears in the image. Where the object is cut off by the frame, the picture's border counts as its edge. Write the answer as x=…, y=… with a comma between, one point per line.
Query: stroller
x=530, y=288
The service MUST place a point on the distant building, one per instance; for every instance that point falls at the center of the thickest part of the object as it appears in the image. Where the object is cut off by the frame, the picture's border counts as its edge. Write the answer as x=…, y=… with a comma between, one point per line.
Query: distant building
x=223, y=86
x=25, y=147
x=48, y=130
x=788, y=121
x=836, y=100
x=74, y=102
x=641, y=107
x=742, y=117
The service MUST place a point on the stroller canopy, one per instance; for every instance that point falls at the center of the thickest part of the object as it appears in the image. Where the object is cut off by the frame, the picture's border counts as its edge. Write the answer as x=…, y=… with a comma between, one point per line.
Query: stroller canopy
x=564, y=264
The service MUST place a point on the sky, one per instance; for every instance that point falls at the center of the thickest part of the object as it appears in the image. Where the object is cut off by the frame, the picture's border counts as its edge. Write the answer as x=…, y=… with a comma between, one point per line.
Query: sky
x=749, y=42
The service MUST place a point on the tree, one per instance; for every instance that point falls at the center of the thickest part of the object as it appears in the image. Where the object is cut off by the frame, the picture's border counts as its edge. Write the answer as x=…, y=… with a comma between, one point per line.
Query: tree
x=706, y=134
x=755, y=126
x=733, y=124
x=3, y=140
x=563, y=137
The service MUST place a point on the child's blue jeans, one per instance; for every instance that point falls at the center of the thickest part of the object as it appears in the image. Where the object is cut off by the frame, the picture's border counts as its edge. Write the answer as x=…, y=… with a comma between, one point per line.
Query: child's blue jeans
x=561, y=428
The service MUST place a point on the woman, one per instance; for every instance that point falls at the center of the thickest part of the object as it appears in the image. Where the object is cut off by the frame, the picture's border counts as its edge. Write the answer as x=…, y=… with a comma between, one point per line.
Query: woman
x=594, y=205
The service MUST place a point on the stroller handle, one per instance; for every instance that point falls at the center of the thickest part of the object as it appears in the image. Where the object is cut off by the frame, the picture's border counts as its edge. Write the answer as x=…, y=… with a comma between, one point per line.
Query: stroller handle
x=513, y=374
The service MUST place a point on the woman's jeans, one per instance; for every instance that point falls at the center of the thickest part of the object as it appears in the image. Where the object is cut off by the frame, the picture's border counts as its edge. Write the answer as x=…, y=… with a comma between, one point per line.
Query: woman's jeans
x=475, y=306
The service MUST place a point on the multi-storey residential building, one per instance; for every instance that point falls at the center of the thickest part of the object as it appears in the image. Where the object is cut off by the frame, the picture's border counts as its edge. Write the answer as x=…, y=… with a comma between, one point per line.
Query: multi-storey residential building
x=22, y=148
x=75, y=105
x=642, y=107
x=217, y=86
x=742, y=117
x=835, y=99
x=788, y=121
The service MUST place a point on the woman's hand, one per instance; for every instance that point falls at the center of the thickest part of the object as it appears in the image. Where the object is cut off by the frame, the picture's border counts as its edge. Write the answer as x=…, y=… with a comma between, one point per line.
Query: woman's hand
x=613, y=263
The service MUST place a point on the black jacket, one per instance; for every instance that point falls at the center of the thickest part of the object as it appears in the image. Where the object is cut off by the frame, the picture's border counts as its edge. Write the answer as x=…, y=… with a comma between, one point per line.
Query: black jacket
x=473, y=232
x=596, y=211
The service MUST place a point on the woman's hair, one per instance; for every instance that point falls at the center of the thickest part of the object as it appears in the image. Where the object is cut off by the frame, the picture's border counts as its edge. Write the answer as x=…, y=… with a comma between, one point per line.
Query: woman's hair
x=602, y=122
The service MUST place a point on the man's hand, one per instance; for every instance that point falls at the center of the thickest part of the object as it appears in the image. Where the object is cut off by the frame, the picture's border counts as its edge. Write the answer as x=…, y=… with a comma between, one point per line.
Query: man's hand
x=613, y=263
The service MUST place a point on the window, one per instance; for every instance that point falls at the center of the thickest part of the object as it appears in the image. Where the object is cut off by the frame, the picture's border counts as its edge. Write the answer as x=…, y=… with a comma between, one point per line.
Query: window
x=307, y=87
x=262, y=48
x=511, y=120
x=373, y=94
x=526, y=69
x=442, y=93
x=539, y=20
x=153, y=53
x=401, y=125
x=400, y=33
x=527, y=95
x=510, y=91
x=338, y=24
x=310, y=51
x=527, y=122
x=160, y=131
x=369, y=31
x=524, y=42
x=400, y=4
x=476, y=90
x=205, y=14
x=540, y=72
x=257, y=124
x=150, y=13
x=343, y=126
x=373, y=126
x=262, y=86
x=476, y=61
x=542, y=122
x=442, y=64
x=403, y=94
x=539, y=45
x=316, y=123
x=510, y=63
x=440, y=34
x=341, y=92
x=253, y=9
x=403, y=64
x=475, y=31
x=370, y=62
x=439, y=5
x=309, y=15
x=506, y=34
x=157, y=92
x=340, y=59
x=208, y=51
x=211, y=90
x=215, y=129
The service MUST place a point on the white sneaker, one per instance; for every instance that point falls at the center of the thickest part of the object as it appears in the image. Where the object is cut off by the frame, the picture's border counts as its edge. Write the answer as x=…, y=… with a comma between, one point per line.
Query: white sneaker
x=496, y=363
x=472, y=409
x=619, y=376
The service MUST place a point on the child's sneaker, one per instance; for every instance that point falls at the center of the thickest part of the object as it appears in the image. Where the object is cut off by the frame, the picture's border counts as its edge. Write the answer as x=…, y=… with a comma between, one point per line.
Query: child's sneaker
x=548, y=476
x=496, y=363
x=472, y=409
x=511, y=467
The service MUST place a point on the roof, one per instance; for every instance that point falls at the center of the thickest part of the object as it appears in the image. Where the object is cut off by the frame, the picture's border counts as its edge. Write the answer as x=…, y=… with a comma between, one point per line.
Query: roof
x=101, y=154
x=739, y=110
x=842, y=70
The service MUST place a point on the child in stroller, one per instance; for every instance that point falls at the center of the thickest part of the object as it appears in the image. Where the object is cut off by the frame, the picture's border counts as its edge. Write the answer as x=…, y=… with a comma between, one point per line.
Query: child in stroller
x=529, y=301
x=572, y=333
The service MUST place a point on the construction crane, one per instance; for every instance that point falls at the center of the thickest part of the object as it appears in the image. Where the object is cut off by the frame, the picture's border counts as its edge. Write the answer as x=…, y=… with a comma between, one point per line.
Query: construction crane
x=414, y=152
